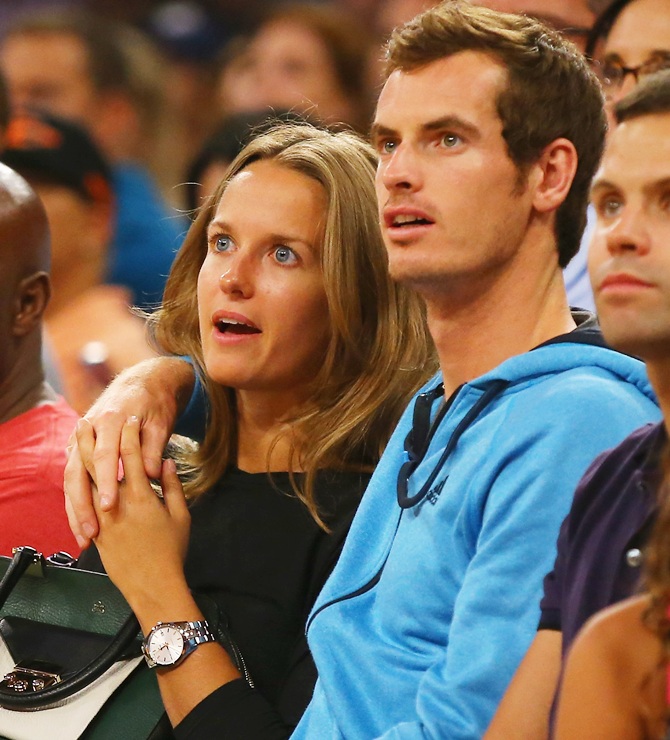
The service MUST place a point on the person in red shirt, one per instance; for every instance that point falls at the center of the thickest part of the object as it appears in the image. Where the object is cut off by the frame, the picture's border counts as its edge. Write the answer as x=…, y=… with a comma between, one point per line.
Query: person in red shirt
x=35, y=422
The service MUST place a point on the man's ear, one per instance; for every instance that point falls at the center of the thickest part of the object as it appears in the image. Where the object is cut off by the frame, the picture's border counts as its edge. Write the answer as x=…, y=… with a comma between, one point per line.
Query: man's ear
x=32, y=297
x=552, y=175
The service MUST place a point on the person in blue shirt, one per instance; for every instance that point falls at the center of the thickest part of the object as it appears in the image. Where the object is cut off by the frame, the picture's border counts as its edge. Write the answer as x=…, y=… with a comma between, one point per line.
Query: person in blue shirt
x=482, y=201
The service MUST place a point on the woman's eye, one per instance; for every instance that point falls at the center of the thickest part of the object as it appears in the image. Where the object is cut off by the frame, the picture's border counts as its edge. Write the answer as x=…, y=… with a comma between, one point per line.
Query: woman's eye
x=285, y=255
x=222, y=243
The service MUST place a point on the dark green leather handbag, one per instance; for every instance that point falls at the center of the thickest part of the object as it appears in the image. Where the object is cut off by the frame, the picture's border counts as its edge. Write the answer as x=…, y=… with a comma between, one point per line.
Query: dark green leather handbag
x=70, y=660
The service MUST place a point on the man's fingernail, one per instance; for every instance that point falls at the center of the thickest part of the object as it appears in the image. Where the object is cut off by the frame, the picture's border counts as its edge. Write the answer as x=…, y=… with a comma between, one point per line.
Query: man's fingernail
x=81, y=541
x=88, y=530
x=105, y=502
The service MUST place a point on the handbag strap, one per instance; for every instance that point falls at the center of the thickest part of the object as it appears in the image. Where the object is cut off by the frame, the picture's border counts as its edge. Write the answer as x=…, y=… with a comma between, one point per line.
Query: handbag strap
x=23, y=558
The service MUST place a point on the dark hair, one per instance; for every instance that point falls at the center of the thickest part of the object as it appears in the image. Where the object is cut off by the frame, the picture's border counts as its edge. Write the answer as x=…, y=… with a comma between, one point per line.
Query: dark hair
x=228, y=139
x=651, y=95
x=551, y=92
x=602, y=26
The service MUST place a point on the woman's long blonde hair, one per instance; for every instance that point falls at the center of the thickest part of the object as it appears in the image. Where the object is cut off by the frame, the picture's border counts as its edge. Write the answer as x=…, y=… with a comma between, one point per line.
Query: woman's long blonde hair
x=379, y=350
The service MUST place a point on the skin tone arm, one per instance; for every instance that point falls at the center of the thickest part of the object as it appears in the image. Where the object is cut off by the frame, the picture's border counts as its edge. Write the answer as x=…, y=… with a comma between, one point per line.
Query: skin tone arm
x=141, y=530
x=154, y=391
x=613, y=686
x=523, y=713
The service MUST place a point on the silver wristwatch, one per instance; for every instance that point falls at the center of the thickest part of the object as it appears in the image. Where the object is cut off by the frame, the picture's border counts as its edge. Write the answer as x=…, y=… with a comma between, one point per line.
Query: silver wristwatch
x=168, y=643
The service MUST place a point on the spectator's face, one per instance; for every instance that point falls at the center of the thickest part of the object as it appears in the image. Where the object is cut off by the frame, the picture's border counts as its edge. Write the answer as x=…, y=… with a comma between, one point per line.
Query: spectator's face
x=629, y=258
x=573, y=18
x=289, y=67
x=49, y=71
x=639, y=36
x=264, y=321
x=452, y=208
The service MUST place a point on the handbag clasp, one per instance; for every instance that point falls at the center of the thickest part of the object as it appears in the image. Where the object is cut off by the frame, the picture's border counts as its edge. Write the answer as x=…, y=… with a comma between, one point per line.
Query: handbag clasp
x=30, y=676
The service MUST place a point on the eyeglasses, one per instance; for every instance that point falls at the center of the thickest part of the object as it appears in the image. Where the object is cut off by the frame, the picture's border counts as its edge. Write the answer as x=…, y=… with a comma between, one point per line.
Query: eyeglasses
x=612, y=73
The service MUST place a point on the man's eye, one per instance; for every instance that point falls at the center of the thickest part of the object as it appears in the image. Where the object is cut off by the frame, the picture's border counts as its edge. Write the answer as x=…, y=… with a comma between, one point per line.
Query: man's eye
x=450, y=140
x=609, y=206
x=388, y=147
x=285, y=255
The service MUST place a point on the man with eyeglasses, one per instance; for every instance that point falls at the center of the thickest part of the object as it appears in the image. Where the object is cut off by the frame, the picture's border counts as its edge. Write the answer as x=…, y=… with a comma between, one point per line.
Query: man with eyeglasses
x=630, y=41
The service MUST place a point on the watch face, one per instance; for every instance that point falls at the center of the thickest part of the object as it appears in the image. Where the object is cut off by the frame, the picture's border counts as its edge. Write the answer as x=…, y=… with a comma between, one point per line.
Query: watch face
x=166, y=646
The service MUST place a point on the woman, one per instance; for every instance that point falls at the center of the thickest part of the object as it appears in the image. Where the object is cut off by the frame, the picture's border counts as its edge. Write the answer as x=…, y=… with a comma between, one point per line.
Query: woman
x=617, y=678
x=308, y=353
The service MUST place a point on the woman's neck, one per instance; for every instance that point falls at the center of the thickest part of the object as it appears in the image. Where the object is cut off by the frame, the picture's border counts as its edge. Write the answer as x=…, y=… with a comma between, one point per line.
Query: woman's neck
x=264, y=439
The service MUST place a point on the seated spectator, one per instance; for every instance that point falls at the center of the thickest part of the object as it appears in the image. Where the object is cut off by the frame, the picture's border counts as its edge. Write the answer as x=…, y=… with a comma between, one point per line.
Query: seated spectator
x=91, y=331
x=616, y=678
x=35, y=422
x=483, y=197
x=307, y=374
x=97, y=73
x=310, y=59
x=601, y=543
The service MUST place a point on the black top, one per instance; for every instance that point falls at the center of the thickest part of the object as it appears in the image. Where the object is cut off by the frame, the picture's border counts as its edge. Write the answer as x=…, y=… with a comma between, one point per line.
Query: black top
x=256, y=551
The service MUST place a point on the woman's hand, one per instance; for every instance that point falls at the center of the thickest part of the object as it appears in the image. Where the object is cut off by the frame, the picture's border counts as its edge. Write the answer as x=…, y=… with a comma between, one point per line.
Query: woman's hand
x=142, y=541
x=151, y=391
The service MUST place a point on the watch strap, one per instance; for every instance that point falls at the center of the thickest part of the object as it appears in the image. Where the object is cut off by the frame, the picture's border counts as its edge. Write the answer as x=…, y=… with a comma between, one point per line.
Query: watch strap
x=193, y=633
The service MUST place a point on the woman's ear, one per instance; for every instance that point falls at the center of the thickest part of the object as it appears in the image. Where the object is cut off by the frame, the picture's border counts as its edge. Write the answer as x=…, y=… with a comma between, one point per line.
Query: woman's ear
x=553, y=174
x=32, y=297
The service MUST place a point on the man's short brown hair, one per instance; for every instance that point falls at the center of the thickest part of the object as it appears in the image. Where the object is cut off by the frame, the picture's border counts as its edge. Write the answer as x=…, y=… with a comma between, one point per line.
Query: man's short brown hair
x=551, y=92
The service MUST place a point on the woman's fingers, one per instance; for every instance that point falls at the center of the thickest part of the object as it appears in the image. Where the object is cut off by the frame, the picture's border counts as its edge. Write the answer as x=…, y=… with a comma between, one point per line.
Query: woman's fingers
x=131, y=457
x=173, y=493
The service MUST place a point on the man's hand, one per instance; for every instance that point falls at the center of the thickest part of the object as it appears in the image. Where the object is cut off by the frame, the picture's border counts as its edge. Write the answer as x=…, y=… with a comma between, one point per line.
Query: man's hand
x=153, y=391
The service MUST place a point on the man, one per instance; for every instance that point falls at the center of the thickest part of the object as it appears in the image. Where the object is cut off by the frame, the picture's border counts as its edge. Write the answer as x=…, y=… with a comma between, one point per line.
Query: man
x=601, y=541
x=482, y=201
x=91, y=332
x=84, y=68
x=35, y=423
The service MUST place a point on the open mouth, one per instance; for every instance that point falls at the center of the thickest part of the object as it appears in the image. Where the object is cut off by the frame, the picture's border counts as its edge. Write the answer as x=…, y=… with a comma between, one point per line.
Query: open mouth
x=230, y=326
x=402, y=221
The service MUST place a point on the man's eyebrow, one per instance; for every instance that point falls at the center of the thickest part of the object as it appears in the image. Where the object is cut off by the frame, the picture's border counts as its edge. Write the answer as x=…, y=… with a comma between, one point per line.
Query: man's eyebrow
x=451, y=122
x=601, y=184
x=378, y=130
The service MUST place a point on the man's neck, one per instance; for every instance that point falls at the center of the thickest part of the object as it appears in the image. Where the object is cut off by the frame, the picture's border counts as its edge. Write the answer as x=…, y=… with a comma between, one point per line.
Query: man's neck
x=658, y=370
x=16, y=401
x=473, y=335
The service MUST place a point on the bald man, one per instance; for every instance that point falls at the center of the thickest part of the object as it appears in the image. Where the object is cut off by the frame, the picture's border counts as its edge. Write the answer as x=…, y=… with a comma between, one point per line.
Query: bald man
x=35, y=422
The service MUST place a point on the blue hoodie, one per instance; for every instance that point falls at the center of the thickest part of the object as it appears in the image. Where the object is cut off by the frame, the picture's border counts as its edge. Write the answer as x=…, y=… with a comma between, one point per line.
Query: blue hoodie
x=431, y=607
